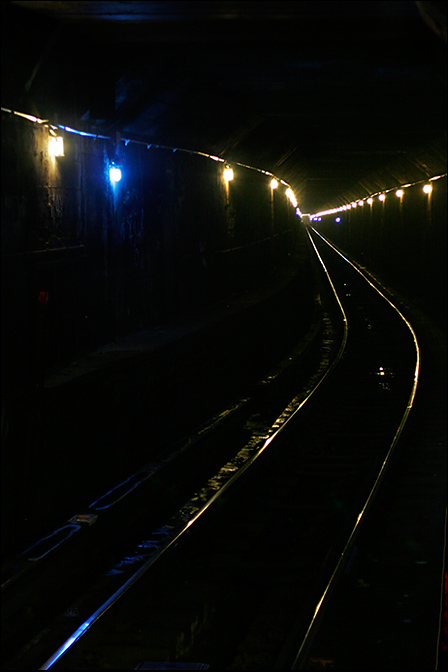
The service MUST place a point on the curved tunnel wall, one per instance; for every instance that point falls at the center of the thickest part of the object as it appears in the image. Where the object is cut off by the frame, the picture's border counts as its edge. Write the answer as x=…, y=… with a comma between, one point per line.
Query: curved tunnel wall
x=84, y=261
x=402, y=240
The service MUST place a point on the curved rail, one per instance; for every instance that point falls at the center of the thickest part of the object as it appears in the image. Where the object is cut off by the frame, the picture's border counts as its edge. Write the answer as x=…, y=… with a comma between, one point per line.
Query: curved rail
x=348, y=546
x=192, y=511
x=166, y=536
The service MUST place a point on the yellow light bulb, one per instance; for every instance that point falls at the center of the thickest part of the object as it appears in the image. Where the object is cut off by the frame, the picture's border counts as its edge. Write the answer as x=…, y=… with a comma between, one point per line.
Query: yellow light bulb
x=228, y=173
x=56, y=145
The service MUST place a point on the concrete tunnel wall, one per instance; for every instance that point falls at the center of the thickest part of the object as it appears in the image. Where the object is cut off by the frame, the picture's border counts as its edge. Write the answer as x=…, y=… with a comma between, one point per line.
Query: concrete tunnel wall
x=84, y=262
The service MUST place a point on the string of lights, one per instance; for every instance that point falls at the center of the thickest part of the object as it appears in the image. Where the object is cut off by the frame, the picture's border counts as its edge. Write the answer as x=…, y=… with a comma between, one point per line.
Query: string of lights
x=380, y=196
x=56, y=149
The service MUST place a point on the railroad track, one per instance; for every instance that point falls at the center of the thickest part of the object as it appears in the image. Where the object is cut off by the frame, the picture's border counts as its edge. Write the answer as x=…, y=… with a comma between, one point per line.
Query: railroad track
x=233, y=573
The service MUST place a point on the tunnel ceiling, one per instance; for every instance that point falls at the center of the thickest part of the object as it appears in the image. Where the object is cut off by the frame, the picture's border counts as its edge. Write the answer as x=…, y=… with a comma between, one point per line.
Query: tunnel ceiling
x=330, y=96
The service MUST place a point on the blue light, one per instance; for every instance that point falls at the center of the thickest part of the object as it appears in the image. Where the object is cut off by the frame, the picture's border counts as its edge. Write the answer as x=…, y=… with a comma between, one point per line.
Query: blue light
x=338, y=219
x=114, y=174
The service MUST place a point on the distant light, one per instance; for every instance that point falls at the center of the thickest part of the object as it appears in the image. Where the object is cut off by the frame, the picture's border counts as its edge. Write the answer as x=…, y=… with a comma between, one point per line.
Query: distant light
x=274, y=183
x=114, y=174
x=399, y=193
x=361, y=203
x=228, y=174
x=427, y=188
x=56, y=145
x=290, y=194
x=370, y=201
x=338, y=219
x=353, y=204
x=382, y=197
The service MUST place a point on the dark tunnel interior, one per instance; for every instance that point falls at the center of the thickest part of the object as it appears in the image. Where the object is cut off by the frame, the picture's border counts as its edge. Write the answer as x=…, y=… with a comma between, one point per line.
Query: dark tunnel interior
x=343, y=104
x=341, y=101
x=166, y=167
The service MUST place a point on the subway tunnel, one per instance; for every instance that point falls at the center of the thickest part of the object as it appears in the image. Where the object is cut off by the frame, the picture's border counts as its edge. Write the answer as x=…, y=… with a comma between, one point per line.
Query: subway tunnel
x=162, y=165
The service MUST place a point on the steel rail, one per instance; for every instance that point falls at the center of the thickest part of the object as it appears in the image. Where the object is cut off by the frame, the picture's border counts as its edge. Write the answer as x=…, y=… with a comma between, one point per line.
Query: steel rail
x=306, y=641
x=191, y=513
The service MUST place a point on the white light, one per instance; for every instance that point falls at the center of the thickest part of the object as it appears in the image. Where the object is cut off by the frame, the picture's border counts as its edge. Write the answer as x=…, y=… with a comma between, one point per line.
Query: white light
x=354, y=204
x=427, y=188
x=399, y=193
x=228, y=174
x=370, y=201
x=56, y=145
x=274, y=183
x=290, y=194
x=381, y=197
x=361, y=203
x=114, y=174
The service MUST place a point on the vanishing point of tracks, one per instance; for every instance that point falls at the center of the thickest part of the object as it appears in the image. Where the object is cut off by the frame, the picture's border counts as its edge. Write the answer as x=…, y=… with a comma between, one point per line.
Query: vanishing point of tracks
x=230, y=566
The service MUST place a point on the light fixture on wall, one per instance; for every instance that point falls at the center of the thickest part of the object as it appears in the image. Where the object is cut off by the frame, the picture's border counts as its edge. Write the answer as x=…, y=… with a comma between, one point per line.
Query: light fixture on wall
x=228, y=173
x=56, y=145
x=114, y=174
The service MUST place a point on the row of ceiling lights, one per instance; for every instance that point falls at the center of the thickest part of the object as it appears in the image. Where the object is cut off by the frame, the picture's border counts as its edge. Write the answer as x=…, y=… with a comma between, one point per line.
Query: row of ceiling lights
x=399, y=193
